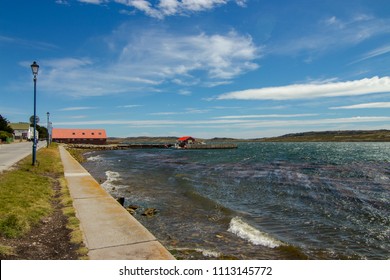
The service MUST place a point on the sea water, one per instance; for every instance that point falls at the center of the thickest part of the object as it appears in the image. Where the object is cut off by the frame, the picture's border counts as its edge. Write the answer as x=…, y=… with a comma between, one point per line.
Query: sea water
x=260, y=201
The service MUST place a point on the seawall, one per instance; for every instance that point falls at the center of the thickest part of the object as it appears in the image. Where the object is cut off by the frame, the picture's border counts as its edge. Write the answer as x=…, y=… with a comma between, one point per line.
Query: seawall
x=110, y=232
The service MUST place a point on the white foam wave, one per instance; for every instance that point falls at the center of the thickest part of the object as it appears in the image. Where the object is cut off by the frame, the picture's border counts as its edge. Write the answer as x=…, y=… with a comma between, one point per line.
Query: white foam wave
x=209, y=253
x=95, y=158
x=253, y=235
x=112, y=176
x=204, y=252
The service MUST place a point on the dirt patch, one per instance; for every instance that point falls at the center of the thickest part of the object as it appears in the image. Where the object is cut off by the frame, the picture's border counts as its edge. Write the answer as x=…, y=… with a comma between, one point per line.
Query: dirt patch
x=49, y=240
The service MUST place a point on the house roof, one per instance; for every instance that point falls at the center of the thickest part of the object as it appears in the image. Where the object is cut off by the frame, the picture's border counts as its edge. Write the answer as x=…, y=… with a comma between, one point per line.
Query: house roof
x=185, y=138
x=72, y=133
x=20, y=126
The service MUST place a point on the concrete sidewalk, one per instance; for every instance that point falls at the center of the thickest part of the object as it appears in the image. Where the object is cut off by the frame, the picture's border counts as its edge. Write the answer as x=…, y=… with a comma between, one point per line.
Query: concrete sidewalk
x=110, y=232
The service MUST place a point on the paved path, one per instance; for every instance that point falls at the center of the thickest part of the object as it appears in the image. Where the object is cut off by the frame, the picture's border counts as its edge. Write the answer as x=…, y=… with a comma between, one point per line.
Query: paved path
x=110, y=232
x=12, y=153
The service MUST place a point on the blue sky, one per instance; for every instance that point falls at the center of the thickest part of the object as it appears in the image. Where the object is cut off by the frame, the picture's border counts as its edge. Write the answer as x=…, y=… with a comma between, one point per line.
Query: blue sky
x=206, y=68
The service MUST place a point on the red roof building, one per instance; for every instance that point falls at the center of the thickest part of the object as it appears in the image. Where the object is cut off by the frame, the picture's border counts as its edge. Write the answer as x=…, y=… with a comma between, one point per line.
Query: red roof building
x=183, y=141
x=79, y=136
x=187, y=139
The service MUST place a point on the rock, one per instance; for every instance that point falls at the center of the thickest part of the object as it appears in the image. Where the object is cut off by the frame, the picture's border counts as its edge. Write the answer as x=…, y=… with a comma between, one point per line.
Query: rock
x=121, y=200
x=131, y=211
x=134, y=207
x=149, y=212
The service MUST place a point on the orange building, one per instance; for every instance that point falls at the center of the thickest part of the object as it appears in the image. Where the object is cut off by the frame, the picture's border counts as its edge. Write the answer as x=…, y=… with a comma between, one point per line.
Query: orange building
x=79, y=136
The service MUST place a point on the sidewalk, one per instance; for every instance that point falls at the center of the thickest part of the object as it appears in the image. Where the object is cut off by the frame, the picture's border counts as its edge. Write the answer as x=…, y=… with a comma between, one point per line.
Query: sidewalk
x=110, y=232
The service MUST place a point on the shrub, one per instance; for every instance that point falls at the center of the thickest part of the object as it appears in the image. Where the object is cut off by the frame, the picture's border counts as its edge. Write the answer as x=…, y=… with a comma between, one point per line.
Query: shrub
x=4, y=135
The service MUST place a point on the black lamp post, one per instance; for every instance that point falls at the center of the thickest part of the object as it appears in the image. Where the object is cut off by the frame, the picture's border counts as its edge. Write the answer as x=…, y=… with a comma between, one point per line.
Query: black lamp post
x=34, y=69
x=48, y=130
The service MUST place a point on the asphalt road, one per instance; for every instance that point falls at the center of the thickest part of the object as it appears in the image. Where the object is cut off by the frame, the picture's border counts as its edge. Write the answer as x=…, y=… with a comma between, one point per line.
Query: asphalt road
x=12, y=153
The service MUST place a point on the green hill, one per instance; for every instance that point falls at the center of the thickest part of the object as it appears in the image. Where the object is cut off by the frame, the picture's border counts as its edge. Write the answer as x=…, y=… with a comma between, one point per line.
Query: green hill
x=333, y=136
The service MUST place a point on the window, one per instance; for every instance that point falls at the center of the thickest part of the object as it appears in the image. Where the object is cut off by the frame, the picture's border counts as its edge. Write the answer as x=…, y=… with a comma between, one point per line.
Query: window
x=83, y=133
x=93, y=133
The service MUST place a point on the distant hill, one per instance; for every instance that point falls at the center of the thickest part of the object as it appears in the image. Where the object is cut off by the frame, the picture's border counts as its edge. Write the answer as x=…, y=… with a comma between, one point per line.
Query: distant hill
x=142, y=139
x=311, y=136
x=333, y=136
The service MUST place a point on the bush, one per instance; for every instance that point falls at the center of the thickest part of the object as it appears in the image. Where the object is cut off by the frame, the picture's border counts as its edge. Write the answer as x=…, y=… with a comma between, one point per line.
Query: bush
x=4, y=135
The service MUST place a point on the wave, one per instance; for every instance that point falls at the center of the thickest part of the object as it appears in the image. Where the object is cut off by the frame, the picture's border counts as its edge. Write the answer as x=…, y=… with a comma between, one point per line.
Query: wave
x=251, y=234
x=205, y=252
x=95, y=158
x=112, y=177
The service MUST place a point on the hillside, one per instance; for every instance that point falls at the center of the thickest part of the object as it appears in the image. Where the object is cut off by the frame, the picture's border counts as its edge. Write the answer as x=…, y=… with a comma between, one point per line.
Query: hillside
x=333, y=136
x=312, y=136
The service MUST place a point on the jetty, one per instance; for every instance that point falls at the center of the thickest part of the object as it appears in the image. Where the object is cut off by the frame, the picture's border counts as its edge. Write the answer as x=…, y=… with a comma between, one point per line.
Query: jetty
x=210, y=146
x=189, y=143
x=145, y=146
x=119, y=146
x=153, y=146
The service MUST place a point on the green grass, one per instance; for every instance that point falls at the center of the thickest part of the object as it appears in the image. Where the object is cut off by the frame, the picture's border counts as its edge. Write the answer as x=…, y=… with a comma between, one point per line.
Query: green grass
x=6, y=250
x=77, y=154
x=26, y=195
x=73, y=222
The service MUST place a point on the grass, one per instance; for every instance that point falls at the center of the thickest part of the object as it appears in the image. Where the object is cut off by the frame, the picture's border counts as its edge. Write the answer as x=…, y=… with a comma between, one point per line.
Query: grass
x=26, y=195
x=73, y=221
x=77, y=154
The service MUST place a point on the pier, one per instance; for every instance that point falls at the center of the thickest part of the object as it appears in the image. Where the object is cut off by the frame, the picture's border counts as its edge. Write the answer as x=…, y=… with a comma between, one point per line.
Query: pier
x=152, y=146
x=210, y=146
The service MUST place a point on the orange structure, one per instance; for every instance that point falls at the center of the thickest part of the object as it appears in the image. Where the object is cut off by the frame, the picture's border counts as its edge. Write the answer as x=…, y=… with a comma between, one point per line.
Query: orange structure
x=79, y=136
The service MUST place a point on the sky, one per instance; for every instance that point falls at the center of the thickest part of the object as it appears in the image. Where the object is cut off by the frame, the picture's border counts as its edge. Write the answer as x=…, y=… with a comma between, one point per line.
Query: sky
x=205, y=68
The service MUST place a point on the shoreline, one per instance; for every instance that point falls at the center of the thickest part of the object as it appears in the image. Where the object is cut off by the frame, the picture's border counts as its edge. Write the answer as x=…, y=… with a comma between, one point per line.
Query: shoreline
x=114, y=233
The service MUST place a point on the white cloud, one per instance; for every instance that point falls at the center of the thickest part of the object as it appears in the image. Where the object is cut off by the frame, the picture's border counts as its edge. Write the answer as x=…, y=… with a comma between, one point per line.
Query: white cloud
x=77, y=108
x=267, y=116
x=233, y=123
x=142, y=5
x=332, y=33
x=200, y=5
x=315, y=122
x=374, y=53
x=62, y=2
x=309, y=91
x=220, y=57
x=186, y=112
x=365, y=106
x=66, y=64
x=162, y=8
x=129, y=106
x=30, y=44
x=189, y=60
x=97, y=2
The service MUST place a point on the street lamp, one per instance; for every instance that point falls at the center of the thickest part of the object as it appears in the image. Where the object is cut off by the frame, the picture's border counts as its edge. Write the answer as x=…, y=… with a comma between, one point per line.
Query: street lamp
x=48, y=131
x=34, y=69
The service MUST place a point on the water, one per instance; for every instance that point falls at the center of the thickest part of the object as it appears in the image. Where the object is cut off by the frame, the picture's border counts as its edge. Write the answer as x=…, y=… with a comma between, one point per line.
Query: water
x=260, y=201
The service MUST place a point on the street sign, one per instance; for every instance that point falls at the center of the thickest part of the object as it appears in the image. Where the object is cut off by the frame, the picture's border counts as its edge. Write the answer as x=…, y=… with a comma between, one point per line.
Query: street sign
x=32, y=119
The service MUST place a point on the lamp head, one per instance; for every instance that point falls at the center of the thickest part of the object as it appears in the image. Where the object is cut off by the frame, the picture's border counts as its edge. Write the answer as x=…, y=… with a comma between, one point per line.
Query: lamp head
x=34, y=68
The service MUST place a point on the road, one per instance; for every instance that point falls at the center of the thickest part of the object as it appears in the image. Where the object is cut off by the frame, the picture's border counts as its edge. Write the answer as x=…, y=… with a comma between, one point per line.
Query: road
x=12, y=153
